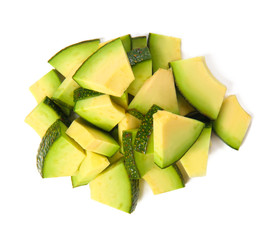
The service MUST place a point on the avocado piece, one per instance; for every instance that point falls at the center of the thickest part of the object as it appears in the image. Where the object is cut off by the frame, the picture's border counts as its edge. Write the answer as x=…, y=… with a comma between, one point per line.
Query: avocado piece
x=92, y=139
x=44, y=115
x=142, y=71
x=139, y=42
x=121, y=101
x=115, y=188
x=115, y=157
x=100, y=111
x=164, y=49
x=90, y=167
x=58, y=155
x=145, y=130
x=136, y=114
x=108, y=70
x=198, y=116
x=47, y=85
x=71, y=57
x=138, y=55
x=126, y=40
x=127, y=123
x=196, y=83
x=184, y=106
x=195, y=159
x=130, y=163
x=158, y=89
x=232, y=122
x=173, y=136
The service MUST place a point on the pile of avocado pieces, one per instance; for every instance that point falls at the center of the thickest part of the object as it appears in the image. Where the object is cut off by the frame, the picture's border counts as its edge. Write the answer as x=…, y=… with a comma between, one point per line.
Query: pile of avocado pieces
x=113, y=113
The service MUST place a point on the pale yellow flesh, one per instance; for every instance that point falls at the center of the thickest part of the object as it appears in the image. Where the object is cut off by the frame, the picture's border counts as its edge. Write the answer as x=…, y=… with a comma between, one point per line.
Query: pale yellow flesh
x=45, y=86
x=63, y=159
x=111, y=74
x=112, y=187
x=195, y=159
x=92, y=139
x=232, y=122
x=173, y=136
x=115, y=157
x=41, y=118
x=199, y=86
x=158, y=89
x=100, y=111
x=127, y=123
x=91, y=166
x=184, y=106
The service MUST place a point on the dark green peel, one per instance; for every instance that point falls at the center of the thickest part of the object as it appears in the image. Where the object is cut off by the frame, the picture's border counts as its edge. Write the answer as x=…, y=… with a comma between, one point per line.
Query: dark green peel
x=136, y=114
x=129, y=160
x=83, y=93
x=145, y=130
x=138, y=55
x=198, y=116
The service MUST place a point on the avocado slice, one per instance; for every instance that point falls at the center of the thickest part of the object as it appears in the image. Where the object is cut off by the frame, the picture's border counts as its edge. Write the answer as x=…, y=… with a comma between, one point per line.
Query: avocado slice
x=195, y=159
x=71, y=57
x=126, y=40
x=139, y=42
x=58, y=154
x=164, y=49
x=100, y=111
x=121, y=101
x=199, y=86
x=115, y=157
x=108, y=70
x=44, y=115
x=114, y=188
x=159, y=89
x=90, y=167
x=128, y=122
x=47, y=85
x=232, y=122
x=184, y=106
x=173, y=136
x=92, y=139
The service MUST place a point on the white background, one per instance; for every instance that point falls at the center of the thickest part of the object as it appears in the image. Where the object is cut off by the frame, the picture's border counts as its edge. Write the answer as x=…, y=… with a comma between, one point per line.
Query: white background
x=238, y=197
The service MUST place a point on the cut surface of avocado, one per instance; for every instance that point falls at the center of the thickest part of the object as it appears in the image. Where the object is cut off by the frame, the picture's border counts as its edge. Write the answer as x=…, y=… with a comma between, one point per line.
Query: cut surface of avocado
x=173, y=136
x=142, y=71
x=195, y=159
x=44, y=115
x=196, y=83
x=71, y=57
x=47, y=85
x=114, y=188
x=164, y=49
x=115, y=157
x=100, y=111
x=108, y=70
x=159, y=90
x=58, y=154
x=90, y=167
x=139, y=42
x=126, y=40
x=232, y=122
x=127, y=123
x=184, y=106
x=121, y=101
x=92, y=139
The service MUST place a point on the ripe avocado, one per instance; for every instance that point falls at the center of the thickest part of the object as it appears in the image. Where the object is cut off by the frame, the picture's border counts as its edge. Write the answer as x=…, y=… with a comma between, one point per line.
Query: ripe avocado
x=199, y=86
x=232, y=122
x=139, y=42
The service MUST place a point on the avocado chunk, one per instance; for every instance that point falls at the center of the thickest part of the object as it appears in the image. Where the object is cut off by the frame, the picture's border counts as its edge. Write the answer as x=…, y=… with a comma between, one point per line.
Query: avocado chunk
x=184, y=106
x=100, y=111
x=159, y=89
x=114, y=188
x=199, y=86
x=195, y=159
x=71, y=57
x=121, y=101
x=139, y=42
x=90, y=167
x=127, y=123
x=92, y=139
x=115, y=157
x=47, y=85
x=173, y=136
x=232, y=122
x=108, y=70
x=58, y=154
x=126, y=40
x=44, y=115
x=164, y=49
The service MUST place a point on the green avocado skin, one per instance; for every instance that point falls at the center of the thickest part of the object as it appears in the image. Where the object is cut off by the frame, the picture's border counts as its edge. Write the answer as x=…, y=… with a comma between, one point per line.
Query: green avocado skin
x=83, y=93
x=136, y=114
x=138, y=55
